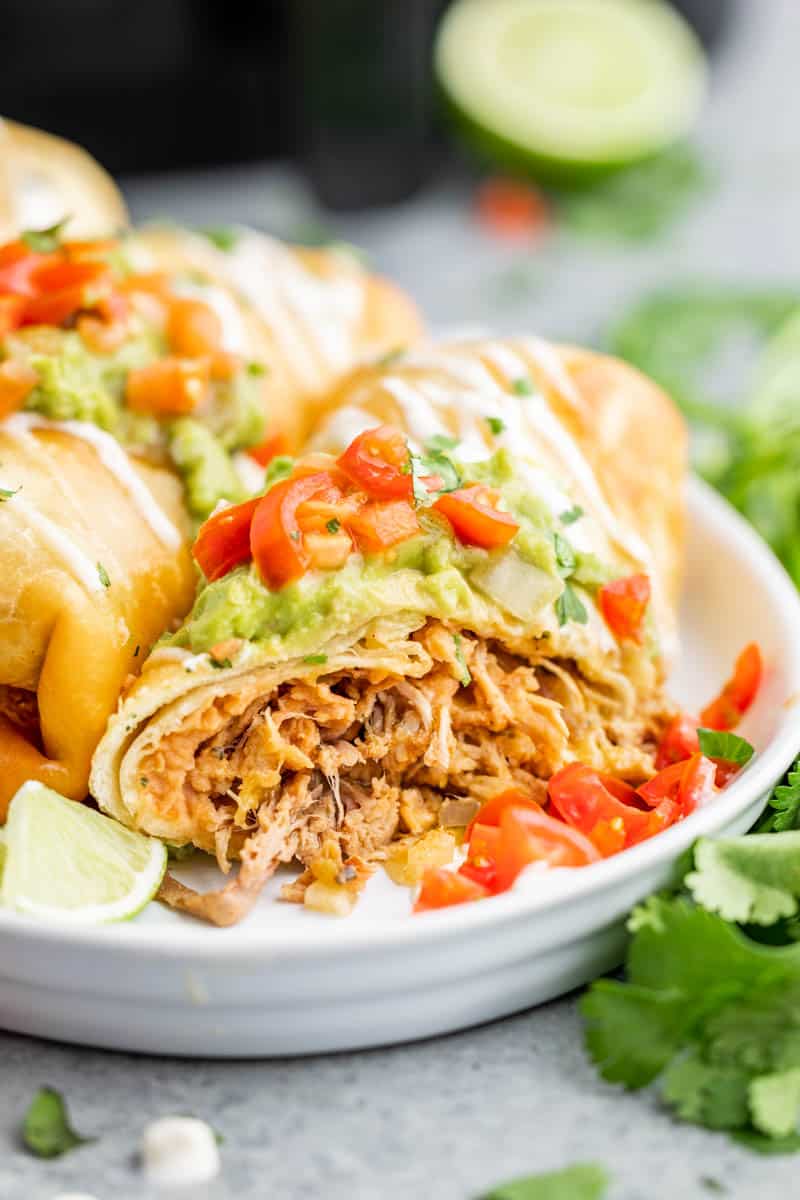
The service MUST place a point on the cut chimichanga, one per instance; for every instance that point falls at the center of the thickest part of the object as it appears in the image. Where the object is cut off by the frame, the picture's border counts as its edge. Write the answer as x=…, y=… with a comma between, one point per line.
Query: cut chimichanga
x=385, y=634
x=94, y=560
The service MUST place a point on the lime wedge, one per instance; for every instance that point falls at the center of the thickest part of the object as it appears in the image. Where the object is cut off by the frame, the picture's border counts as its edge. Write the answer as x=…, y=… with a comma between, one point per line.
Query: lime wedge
x=569, y=89
x=65, y=862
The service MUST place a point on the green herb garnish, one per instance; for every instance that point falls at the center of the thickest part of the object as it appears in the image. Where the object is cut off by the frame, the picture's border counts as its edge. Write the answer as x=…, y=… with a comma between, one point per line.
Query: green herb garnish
x=278, y=468
x=103, y=575
x=224, y=237
x=7, y=493
x=571, y=515
x=315, y=660
x=390, y=357
x=45, y=241
x=522, y=386
x=46, y=1130
x=440, y=442
x=565, y=555
x=334, y=525
x=219, y=663
x=465, y=677
x=570, y=607
x=587, y=1181
x=256, y=369
x=496, y=425
x=715, y=743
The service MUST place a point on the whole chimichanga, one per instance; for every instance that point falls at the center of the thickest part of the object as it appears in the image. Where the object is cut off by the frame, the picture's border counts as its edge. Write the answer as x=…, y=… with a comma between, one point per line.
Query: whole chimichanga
x=384, y=634
x=94, y=562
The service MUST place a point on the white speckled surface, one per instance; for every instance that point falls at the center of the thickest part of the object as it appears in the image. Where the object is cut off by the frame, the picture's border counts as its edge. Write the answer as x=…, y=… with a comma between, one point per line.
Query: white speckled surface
x=447, y=1118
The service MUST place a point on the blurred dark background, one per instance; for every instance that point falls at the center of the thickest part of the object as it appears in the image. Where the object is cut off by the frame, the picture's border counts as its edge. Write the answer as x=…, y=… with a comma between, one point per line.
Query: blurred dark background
x=342, y=85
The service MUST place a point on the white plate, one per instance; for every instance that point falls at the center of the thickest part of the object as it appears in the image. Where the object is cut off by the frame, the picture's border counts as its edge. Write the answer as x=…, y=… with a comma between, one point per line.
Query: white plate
x=288, y=981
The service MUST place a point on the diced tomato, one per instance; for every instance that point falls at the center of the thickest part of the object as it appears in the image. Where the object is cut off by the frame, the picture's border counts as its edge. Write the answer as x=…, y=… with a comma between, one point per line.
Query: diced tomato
x=623, y=604
x=18, y=265
x=12, y=309
x=380, y=524
x=223, y=541
x=679, y=741
x=193, y=328
x=491, y=812
x=738, y=693
x=276, y=539
x=65, y=288
x=664, y=785
x=442, y=888
x=698, y=784
x=680, y=788
x=512, y=209
x=378, y=460
x=585, y=799
x=98, y=248
x=224, y=365
x=481, y=862
x=17, y=380
x=169, y=387
x=527, y=836
x=475, y=517
x=270, y=448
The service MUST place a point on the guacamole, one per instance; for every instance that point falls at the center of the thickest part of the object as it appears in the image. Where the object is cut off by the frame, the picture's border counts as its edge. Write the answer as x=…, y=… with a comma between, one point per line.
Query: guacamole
x=429, y=575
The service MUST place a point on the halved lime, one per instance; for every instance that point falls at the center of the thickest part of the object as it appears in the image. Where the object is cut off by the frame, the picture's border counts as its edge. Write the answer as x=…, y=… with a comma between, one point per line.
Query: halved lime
x=569, y=89
x=66, y=862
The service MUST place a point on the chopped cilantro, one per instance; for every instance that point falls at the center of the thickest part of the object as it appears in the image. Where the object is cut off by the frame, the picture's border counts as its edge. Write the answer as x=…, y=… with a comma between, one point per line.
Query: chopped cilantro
x=295, y=535
x=278, y=468
x=565, y=555
x=522, y=386
x=433, y=465
x=570, y=607
x=103, y=575
x=220, y=663
x=224, y=237
x=465, y=677
x=45, y=241
x=390, y=357
x=729, y=747
x=585, y=1181
x=316, y=660
x=496, y=425
x=46, y=1130
x=7, y=493
x=334, y=525
x=572, y=515
x=256, y=369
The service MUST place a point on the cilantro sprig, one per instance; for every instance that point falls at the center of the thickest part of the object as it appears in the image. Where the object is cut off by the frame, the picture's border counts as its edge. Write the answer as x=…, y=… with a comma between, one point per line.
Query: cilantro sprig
x=46, y=1129
x=569, y=606
x=434, y=464
x=45, y=241
x=710, y=1004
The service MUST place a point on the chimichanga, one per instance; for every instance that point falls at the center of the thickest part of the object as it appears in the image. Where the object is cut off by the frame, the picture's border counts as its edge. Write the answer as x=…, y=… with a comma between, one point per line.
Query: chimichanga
x=386, y=632
x=95, y=565
x=44, y=179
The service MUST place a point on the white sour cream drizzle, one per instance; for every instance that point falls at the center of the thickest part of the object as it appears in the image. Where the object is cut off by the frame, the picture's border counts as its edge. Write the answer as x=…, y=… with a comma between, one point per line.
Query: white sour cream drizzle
x=113, y=458
x=312, y=319
x=79, y=565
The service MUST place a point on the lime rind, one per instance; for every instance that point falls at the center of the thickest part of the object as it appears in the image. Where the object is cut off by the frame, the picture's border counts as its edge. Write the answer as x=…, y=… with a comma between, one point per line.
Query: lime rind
x=569, y=89
x=65, y=862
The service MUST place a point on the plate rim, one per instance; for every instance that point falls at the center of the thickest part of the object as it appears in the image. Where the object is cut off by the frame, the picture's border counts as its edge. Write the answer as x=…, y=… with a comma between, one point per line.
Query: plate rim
x=428, y=929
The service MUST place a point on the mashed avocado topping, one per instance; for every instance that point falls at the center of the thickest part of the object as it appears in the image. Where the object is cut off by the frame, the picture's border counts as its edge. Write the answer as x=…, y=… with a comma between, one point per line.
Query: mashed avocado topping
x=430, y=575
x=76, y=383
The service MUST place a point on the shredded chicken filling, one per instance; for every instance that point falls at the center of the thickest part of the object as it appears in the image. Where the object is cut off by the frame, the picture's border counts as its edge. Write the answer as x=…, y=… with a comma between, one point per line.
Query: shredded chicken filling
x=365, y=759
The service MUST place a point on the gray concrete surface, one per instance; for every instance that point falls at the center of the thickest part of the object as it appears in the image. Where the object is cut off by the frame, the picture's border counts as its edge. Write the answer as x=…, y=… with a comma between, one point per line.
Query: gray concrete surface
x=447, y=1118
